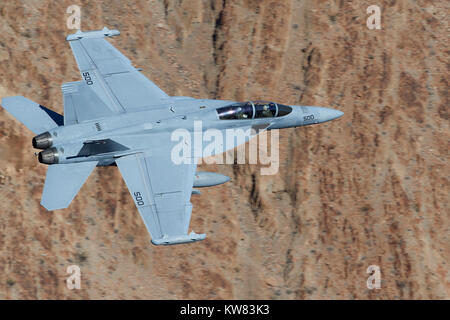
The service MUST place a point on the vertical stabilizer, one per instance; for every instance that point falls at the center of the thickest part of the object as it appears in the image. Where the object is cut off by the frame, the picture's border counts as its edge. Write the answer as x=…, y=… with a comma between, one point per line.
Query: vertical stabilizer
x=34, y=116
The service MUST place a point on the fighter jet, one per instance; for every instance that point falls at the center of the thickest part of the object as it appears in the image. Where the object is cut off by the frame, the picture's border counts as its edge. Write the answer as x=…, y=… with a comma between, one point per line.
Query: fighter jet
x=115, y=116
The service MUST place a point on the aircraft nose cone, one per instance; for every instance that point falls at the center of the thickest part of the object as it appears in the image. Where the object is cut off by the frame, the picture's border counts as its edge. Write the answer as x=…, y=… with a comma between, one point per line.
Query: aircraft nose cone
x=328, y=114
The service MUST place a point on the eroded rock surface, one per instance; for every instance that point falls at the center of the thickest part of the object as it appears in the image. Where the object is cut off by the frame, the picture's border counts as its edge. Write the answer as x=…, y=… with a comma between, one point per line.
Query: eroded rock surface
x=368, y=189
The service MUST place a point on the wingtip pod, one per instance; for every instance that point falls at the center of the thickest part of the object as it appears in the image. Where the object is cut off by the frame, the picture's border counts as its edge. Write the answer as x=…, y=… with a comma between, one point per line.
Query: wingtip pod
x=171, y=240
x=105, y=32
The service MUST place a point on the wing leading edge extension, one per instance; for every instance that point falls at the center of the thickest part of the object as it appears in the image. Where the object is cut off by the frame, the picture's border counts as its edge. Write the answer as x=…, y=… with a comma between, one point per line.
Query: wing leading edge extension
x=161, y=191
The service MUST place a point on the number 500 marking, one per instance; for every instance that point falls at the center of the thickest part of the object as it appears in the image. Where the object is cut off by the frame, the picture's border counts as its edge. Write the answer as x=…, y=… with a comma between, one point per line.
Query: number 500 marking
x=139, y=199
x=87, y=78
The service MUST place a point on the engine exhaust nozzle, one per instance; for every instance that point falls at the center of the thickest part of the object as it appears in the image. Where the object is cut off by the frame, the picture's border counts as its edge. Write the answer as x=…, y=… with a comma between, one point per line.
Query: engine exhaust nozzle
x=42, y=141
x=49, y=156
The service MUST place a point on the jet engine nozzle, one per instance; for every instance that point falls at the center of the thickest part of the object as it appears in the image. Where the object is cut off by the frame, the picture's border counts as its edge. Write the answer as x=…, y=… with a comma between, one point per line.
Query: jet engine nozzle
x=42, y=141
x=49, y=156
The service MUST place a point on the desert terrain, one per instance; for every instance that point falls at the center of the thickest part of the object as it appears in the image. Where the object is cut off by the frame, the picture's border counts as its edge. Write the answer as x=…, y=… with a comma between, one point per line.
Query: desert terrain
x=371, y=188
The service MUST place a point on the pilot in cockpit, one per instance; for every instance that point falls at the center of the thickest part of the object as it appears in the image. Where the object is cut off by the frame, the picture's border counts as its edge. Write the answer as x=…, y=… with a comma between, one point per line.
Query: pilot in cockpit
x=266, y=111
x=241, y=114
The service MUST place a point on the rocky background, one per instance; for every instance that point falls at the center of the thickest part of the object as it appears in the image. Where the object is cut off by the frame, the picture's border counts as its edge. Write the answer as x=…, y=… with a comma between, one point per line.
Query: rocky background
x=371, y=188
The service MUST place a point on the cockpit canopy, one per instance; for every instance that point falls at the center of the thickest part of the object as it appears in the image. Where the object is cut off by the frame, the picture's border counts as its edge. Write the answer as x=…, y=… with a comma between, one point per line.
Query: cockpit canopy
x=253, y=110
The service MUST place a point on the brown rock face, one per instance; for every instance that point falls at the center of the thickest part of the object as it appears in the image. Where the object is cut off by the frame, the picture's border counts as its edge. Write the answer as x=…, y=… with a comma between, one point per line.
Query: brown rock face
x=371, y=188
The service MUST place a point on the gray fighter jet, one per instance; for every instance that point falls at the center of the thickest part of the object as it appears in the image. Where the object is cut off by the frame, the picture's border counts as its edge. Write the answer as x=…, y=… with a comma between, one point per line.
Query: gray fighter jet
x=116, y=116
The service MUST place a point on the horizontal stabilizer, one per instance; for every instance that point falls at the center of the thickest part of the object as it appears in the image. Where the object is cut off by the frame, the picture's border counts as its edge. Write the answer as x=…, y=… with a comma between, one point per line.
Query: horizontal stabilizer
x=63, y=183
x=35, y=117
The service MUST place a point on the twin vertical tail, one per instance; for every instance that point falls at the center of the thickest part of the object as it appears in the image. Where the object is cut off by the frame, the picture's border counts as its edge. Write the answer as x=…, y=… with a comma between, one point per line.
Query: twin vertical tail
x=63, y=181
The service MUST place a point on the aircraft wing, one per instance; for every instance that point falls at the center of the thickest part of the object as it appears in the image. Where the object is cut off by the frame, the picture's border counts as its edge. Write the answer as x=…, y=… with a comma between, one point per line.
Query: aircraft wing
x=63, y=182
x=161, y=191
x=110, y=76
